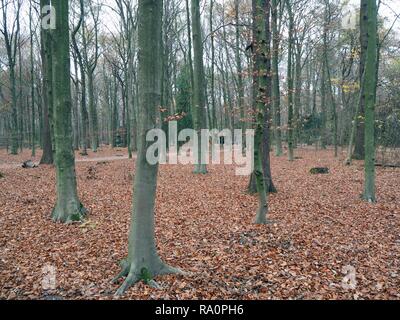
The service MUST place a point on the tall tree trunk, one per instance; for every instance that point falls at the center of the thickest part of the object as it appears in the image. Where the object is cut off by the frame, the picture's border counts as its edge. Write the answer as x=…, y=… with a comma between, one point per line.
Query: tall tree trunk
x=114, y=112
x=47, y=92
x=290, y=85
x=324, y=109
x=354, y=126
x=68, y=206
x=276, y=95
x=214, y=124
x=84, y=114
x=75, y=107
x=370, y=83
x=14, y=113
x=333, y=110
x=240, y=104
x=20, y=97
x=33, y=135
x=297, y=96
x=142, y=254
x=260, y=53
x=199, y=84
x=329, y=79
x=190, y=58
x=359, y=150
x=11, y=42
x=266, y=146
x=93, y=123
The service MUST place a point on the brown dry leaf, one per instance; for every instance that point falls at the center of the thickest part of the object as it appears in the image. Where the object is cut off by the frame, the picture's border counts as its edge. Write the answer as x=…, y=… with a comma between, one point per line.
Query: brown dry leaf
x=204, y=226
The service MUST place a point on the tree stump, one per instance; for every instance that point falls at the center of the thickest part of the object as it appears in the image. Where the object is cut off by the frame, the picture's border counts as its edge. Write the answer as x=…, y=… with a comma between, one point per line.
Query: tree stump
x=319, y=170
x=28, y=164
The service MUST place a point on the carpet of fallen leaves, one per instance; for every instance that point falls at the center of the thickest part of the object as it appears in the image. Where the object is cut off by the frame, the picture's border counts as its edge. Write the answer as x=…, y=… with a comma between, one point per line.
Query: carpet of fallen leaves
x=204, y=226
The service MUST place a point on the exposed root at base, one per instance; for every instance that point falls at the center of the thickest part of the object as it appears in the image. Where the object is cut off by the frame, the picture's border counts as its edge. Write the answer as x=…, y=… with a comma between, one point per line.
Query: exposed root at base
x=134, y=274
x=69, y=215
x=369, y=199
x=200, y=171
x=264, y=221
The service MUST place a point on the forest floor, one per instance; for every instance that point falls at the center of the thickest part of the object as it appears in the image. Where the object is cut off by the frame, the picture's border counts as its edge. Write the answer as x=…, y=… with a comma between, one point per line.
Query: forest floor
x=204, y=226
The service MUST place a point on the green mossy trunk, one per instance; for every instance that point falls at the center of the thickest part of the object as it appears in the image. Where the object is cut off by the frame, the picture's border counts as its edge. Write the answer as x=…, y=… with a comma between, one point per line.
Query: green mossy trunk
x=297, y=95
x=359, y=148
x=241, y=102
x=267, y=91
x=260, y=54
x=32, y=69
x=68, y=207
x=199, y=111
x=370, y=83
x=212, y=71
x=84, y=113
x=276, y=96
x=47, y=93
x=142, y=253
x=94, y=126
x=11, y=40
x=290, y=85
x=14, y=114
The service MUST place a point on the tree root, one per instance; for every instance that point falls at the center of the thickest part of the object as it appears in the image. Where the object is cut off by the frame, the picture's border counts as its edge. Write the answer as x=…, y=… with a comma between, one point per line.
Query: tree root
x=200, y=171
x=123, y=273
x=369, y=199
x=130, y=280
x=133, y=275
x=261, y=218
x=263, y=221
x=167, y=269
x=76, y=215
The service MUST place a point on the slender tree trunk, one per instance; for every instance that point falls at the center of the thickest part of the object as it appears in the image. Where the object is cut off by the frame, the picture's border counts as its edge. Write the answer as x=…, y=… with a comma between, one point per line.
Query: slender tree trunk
x=212, y=75
x=199, y=82
x=75, y=107
x=261, y=10
x=297, y=96
x=359, y=149
x=190, y=59
x=276, y=95
x=354, y=128
x=290, y=86
x=94, y=127
x=114, y=113
x=68, y=206
x=370, y=83
x=47, y=93
x=33, y=135
x=324, y=109
x=84, y=113
x=11, y=42
x=240, y=104
x=142, y=254
x=20, y=96
x=266, y=146
x=332, y=101
x=14, y=113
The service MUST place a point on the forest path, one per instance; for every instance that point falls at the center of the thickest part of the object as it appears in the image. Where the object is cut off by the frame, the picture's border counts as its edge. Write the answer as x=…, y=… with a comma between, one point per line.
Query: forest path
x=14, y=165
